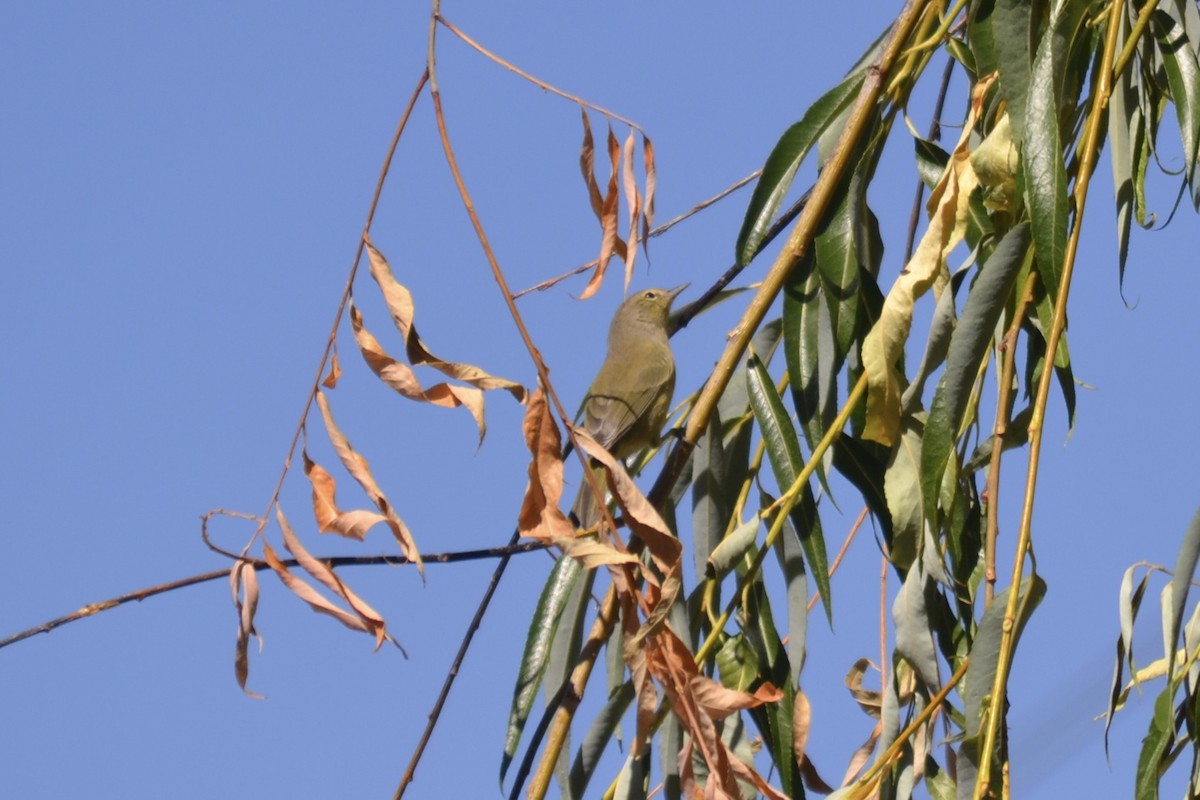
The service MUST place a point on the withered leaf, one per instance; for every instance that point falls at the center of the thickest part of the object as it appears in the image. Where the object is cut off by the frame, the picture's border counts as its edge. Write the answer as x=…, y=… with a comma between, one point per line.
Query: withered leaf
x=633, y=199
x=331, y=519
x=651, y=184
x=335, y=372
x=315, y=600
x=325, y=575
x=540, y=517
x=243, y=580
x=587, y=165
x=356, y=465
x=399, y=376
x=400, y=305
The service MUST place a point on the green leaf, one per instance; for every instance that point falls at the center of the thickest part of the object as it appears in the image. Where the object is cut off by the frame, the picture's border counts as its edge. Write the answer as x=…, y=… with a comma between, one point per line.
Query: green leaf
x=931, y=161
x=1154, y=746
x=864, y=464
x=914, y=631
x=840, y=259
x=809, y=350
x=1185, y=568
x=1127, y=144
x=791, y=562
x=785, y=159
x=941, y=326
x=783, y=450
x=542, y=629
x=1183, y=79
x=968, y=345
x=902, y=488
x=774, y=720
x=710, y=504
x=1042, y=159
x=999, y=32
x=596, y=740
x=985, y=655
x=726, y=555
x=734, y=402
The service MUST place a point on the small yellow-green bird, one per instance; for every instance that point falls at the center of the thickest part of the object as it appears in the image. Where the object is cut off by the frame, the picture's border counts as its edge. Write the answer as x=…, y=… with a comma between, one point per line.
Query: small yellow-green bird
x=629, y=399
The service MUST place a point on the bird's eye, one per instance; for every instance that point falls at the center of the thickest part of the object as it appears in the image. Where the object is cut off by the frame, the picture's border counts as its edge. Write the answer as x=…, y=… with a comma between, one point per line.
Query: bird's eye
x=650, y=295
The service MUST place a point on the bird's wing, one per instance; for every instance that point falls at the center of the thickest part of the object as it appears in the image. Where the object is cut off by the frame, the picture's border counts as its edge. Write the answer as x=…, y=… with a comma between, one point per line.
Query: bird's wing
x=620, y=396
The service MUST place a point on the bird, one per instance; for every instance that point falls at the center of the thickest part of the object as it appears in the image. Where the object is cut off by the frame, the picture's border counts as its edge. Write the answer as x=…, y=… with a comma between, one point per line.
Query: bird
x=626, y=406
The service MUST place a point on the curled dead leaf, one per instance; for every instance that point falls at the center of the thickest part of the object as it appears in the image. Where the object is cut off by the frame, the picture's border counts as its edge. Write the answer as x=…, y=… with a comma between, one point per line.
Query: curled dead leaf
x=356, y=465
x=335, y=372
x=400, y=305
x=400, y=377
x=540, y=517
x=243, y=581
x=948, y=209
x=331, y=519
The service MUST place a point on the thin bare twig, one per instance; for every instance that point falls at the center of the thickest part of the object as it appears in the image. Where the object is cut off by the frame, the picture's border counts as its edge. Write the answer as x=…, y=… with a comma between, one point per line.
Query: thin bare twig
x=341, y=309
x=658, y=231
x=91, y=609
x=935, y=134
x=541, y=84
x=837, y=560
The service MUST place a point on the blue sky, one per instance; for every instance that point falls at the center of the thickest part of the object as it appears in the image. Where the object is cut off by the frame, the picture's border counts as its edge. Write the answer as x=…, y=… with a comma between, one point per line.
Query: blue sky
x=182, y=195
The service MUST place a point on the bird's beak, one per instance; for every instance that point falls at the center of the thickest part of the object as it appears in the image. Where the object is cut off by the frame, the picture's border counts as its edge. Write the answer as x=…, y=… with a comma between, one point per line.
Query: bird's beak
x=671, y=295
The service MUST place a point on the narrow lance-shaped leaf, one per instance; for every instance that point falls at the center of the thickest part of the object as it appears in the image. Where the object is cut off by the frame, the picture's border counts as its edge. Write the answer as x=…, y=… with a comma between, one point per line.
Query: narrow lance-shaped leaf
x=985, y=655
x=1126, y=134
x=1185, y=568
x=948, y=209
x=999, y=31
x=1042, y=160
x=1183, y=77
x=356, y=465
x=785, y=159
x=542, y=629
x=810, y=353
x=402, y=309
x=783, y=450
x=968, y=344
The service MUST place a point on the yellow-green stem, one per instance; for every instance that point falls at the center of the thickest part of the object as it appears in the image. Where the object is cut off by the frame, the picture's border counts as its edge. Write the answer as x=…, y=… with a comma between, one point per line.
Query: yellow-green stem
x=1087, y=164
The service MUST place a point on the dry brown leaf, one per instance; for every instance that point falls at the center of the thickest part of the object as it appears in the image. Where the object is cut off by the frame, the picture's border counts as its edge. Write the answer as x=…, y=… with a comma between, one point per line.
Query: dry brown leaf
x=610, y=243
x=243, y=581
x=331, y=519
x=325, y=575
x=633, y=199
x=592, y=553
x=801, y=724
x=862, y=755
x=948, y=209
x=641, y=516
x=399, y=376
x=651, y=183
x=869, y=701
x=719, y=701
x=674, y=666
x=812, y=778
x=308, y=594
x=402, y=309
x=334, y=374
x=540, y=517
x=356, y=465
x=587, y=165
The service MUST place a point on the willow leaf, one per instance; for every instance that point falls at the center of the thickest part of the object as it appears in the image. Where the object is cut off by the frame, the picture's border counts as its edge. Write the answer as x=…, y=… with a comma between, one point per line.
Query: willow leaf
x=783, y=450
x=968, y=345
x=1183, y=78
x=785, y=159
x=542, y=629
x=1042, y=154
x=985, y=655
